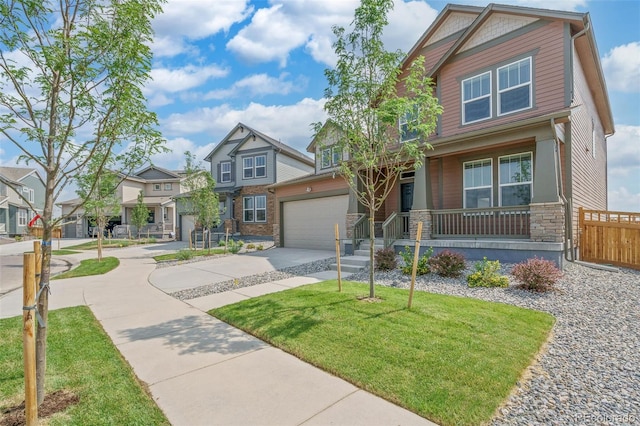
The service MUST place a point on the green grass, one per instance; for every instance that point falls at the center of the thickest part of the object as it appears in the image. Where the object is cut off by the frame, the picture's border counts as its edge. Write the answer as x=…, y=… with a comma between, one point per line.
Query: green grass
x=83, y=360
x=452, y=360
x=90, y=267
x=194, y=253
x=63, y=252
x=113, y=243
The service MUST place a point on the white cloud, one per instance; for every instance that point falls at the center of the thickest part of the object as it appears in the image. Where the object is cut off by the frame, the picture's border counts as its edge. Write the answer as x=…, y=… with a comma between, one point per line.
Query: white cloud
x=174, y=159
x=622, y=68
x=623, y=157
x=258, y=85
x=622, y=200
x=288, y=123
x=185, y=78
x=407, y=22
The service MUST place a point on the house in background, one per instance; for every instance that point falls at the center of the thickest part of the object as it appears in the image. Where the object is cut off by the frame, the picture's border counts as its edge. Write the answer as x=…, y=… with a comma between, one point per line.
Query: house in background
x=15, y=212
x=158, y=185
x=244, y=163
x=520, y=146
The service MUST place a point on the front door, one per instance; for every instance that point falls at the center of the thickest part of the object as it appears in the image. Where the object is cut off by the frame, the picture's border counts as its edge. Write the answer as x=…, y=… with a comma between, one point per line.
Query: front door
x=406, y=196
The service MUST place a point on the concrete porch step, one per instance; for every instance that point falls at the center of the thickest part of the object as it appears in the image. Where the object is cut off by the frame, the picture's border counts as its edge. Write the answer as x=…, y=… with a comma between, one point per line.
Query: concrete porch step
x=351, y=264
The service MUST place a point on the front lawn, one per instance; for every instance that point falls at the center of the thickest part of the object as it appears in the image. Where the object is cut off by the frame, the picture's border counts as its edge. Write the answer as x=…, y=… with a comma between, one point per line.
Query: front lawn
x=113, y=243
x=452, y=360
x=63, y=252
x=185, y=254
x=90, y=267
x=82, y=360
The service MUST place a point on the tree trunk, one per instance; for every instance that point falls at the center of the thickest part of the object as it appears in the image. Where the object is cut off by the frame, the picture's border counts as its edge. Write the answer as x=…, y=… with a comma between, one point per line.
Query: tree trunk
x=372, y=242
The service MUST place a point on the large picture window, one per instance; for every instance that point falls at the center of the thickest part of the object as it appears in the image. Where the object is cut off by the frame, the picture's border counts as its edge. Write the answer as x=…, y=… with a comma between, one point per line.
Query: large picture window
x=225, y=172
x=255, y=208
x=514, y=87
x=477, y=184
x=516, y=179
x=476, y=98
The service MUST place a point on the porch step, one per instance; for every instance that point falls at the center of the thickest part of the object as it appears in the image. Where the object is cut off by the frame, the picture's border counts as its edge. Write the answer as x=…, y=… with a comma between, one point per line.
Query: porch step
x=351, y=264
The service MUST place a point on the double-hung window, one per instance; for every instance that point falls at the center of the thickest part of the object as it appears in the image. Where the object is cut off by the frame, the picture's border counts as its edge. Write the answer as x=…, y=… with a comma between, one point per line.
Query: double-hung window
x=407, y=119
x=22, y=217
x=247, y=167
x=516, y=179
x=514, y=87
x=477, y=184
x=331, y=156
x=326, y=158
x=168, y=186
x=254, y=167
x=28, y=194
x=261, y=166
x=476, y=98
x=255, y=208
x=225, y=172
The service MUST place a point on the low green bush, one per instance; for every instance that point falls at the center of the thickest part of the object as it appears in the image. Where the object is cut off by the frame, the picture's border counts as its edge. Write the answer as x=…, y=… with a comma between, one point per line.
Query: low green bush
x=234, y=246
x=385, y=259
x=536, y=274
x=184, y=254
x=260, y=247
x=487, y=274
x=447, y=263
x=251, y=246
x=423, y=262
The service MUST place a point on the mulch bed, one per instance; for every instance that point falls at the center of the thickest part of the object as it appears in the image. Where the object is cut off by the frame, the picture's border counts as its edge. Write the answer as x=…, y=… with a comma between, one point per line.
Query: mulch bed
x=53, y=403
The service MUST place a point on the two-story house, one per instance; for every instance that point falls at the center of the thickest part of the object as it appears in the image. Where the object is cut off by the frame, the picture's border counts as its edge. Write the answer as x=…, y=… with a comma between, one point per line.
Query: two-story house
x=15, y=211
x=521, y=144
x=244, y=163
x=158, y=187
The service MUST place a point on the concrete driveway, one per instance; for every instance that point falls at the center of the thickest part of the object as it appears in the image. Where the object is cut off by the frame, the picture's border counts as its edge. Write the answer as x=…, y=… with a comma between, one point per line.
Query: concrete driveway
x=224, y=268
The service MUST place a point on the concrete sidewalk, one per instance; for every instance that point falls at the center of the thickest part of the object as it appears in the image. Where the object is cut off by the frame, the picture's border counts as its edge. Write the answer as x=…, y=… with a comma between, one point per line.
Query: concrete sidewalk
x=201, y=371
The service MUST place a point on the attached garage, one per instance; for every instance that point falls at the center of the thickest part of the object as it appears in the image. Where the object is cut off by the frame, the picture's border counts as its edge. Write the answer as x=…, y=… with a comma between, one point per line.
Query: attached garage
x=310, y=223
x=187, y=223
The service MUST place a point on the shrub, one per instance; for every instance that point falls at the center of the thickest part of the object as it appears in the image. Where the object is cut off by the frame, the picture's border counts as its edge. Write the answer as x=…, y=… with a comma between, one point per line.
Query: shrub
x=487, y=274
x=184, y=254
x=251, y=246
x=386, y=259
x=536, y=274
x=423, y=262
x=260, y=247
x=447, y=263
x=234, y=246
x=221, y=243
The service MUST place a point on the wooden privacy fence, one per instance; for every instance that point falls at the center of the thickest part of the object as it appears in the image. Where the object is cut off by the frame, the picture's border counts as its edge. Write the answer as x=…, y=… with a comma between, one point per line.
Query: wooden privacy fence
x=37, y=232
x=610, y=237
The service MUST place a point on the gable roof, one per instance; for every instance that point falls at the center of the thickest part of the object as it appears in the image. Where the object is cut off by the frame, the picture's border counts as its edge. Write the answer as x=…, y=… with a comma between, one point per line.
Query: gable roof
x=168, y=173
x=16, y=174
x=326, y=127
x=281, y=147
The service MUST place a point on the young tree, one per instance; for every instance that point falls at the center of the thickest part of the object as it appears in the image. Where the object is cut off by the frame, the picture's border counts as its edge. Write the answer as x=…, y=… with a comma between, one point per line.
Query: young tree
x=370, y=90
x=201, y=200
x=140, y=213
x=71, y=78
x=98, y=192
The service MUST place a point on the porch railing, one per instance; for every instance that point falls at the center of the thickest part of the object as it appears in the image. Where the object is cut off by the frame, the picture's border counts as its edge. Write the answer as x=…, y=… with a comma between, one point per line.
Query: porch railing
x=360, y=231
x=392, y=229
x=492, y=222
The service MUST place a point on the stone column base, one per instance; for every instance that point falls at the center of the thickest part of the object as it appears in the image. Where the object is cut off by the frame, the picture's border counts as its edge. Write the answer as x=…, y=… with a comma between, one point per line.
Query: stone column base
x=350, y=220
x=276, y=235
x=423, y=216
x=547, y=222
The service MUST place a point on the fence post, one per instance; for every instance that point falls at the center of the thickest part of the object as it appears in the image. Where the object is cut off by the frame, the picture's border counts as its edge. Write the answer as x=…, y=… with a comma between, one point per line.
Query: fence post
x=28, y=338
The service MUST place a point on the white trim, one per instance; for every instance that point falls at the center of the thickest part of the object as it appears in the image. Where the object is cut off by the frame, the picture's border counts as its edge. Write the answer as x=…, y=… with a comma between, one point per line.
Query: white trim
x=529, y=83
x=464, y=182
x=501, y=185
x=224, y=172
x=489, y=95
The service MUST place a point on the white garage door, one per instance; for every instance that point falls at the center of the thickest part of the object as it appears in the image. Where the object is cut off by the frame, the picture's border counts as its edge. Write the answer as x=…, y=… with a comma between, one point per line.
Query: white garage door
x=187, y=225
x=311, y=223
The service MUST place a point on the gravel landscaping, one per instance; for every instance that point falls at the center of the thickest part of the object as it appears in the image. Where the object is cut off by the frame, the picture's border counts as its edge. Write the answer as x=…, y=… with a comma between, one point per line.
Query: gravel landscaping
x=589, y=371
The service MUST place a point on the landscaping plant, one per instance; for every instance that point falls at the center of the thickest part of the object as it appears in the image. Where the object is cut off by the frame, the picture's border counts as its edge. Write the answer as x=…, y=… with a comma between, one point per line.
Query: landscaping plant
x=536, y=274
x=447, y=263
x=423, y=261
x=386, y=259
x=487, y=274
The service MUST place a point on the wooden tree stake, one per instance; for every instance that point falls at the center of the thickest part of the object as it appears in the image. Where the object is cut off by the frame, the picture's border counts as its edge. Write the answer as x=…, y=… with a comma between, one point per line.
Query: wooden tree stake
x=28, y=338
x=416, y=256
x=338, y=257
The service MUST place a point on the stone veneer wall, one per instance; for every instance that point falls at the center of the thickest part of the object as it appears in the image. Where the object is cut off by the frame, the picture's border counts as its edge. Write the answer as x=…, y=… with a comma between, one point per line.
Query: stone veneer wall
x=423, y=216
x=547, y=222
x=251, y=228
x=350, y=220
x=276, y=235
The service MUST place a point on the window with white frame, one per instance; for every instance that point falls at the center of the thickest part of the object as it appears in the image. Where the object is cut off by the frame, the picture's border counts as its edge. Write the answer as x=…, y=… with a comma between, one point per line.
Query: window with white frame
x=405, y=122
x=476, y=98
x=168, y=186
x=336, y=154
x=156, y=187
x=478, y=183
x=225, y=172
x=326, y=158
x=261, y=166
x=516, y=179
x=331, y=157
x=22, y=217
x=28, y=194
x=247, y=167
x=514, y=87
x=255, y=208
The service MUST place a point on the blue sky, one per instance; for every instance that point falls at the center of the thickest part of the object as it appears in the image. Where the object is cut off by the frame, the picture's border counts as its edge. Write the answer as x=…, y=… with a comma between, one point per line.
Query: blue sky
x=218, y=62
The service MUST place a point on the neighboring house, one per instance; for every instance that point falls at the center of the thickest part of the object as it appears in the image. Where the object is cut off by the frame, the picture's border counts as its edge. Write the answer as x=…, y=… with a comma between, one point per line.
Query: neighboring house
x=158, y=185
x=244, y=163
x=16, y=212
x=521, y=144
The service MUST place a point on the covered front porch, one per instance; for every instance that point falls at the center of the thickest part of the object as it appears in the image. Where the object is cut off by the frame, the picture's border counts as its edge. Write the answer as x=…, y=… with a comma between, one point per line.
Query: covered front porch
x=161, y=222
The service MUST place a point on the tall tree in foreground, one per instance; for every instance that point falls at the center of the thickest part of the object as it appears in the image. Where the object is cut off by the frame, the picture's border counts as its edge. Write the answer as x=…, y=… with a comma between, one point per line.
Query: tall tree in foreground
x=71, y=74
x=370, y=90
x=201, y=200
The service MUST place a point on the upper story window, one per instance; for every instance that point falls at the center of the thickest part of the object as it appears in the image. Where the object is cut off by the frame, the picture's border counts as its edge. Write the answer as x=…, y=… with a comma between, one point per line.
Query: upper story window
x=516, y=179
x=168, y=187
x=225, y=172
x=514, y=87
x=331, y=157
x=157, y=187
x=254, y=167
x=478, y=183
x=405, y=133
x=476, y=98
x=28, y=194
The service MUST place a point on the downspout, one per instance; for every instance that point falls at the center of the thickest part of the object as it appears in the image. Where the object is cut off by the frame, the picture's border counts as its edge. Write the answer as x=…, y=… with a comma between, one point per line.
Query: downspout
x=568, y=210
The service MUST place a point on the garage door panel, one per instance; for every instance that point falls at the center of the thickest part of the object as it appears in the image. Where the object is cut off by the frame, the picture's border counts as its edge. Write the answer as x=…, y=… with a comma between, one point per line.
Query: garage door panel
x=187, y=225
x=310, y=223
